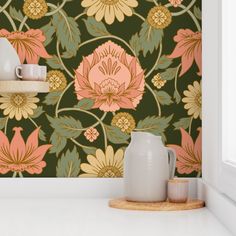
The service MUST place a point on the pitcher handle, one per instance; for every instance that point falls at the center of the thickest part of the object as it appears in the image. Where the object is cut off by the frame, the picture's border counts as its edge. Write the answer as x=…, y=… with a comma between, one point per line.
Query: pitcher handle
x=172, y=162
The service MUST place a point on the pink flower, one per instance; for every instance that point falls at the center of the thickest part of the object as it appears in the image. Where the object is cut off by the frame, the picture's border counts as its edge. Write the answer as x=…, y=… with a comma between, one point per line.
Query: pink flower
x=19, y=156
x=189, y=48
x=29, y=45
x=91, y=134
x=175, y=3
x=111, y=78
x=189, y=155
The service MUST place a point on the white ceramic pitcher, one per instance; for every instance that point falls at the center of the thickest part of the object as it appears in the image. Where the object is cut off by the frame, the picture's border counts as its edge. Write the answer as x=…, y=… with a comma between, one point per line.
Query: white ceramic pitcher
x=8, y=60
x=147, y=168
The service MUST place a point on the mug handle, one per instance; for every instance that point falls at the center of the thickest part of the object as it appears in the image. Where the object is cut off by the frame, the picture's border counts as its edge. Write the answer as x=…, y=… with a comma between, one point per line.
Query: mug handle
x=172, y=162
x=19, y=68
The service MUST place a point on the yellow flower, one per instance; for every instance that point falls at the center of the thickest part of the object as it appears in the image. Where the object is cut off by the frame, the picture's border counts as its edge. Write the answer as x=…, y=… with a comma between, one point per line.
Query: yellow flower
x=35, y=9
x=158, y=81
x=104, y=165
x=109, y=9
x=159, y=17
x=18, y=105
x=124, y=121
x=57, y=80
x=193, y=100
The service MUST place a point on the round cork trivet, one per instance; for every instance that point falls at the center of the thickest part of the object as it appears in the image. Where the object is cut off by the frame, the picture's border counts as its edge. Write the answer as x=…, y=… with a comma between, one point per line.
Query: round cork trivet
x=121, y=203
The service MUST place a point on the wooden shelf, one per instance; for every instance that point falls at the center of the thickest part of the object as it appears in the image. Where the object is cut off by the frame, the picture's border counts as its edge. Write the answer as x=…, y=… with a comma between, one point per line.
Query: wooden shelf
x=121, y=203
x=18, y=86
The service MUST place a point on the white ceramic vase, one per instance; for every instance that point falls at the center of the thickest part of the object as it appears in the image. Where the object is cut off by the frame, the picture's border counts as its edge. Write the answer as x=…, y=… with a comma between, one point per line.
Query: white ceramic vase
x=8, y=60
x=148, y=166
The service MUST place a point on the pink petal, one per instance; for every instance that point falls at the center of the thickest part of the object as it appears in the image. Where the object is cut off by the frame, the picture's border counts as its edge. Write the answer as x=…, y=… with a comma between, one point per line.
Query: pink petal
x=198, y=57
x=180, y=49
x=4, y=32
x=182, y=155
x=131, y=93
x=187, y=61
x=86, y=67
x=38, y=154
x=36, y=33
x=36, y=168
x=121, y=88
x=123, y=59
x=97, y=88
x=136, y=81
x=187, y=141
x=82, y=81
x=198, y=146
x=85, y=93
x=125, y=103
x=183, y=34
x=4, y=142
x=32, y=58
x=95, y=59
x=17, y=146
x=20, y=51
x=132, y=67
x=4, y=170
x=32, y=141
x=182, y=168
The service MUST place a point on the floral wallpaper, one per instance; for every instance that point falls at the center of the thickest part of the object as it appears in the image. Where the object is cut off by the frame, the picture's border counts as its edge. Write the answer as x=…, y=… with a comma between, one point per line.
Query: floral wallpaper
x=114, y=67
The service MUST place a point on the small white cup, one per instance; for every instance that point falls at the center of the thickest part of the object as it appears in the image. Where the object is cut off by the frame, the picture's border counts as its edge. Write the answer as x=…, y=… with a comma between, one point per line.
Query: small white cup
x=42, y=73
x=31, y=72
x=178, y=190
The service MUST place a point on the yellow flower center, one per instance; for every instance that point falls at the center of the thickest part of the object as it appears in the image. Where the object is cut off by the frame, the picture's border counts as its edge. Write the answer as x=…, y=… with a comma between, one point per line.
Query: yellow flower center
x=198, y=100
x=123, y=123
x=159, y=17
x=18, y=100
x=109, y=2
x=35, y=7
x=109, y=172
x=158, y=81
x=55, y=82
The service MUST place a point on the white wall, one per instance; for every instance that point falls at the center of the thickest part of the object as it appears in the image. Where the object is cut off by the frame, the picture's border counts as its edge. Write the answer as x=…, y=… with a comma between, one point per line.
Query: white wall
x=211, y=89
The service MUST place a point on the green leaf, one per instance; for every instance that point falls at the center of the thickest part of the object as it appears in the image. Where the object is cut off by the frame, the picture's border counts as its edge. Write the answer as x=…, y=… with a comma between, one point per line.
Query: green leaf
x=164, y=62
x=163, y=97
x=66, y=126
x=69, y=164
x=67, y=54
x=95, y=28
x=197, y=12
x=135, y=43
x=17, y=15
x=182, y=123
x=85, y=104
x=3, y=122
x=115, y=135
x=58, y=143
x=169, y=74
x=54, y=62
x=150, y=38
x=177, y=97
x=90, y=150
x=154, y=124
x=67, y=32
x=48, y=31
x=52, y=98
x=42, y=135
x=38, y=112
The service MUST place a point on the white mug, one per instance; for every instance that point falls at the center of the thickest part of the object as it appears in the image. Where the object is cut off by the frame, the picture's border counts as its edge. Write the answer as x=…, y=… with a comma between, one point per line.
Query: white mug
x=42, y=73
x=31, y=72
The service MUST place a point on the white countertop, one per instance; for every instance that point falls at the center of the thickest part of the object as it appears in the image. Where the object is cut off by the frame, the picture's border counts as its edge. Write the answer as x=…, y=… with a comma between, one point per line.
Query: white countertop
x=89, y=217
